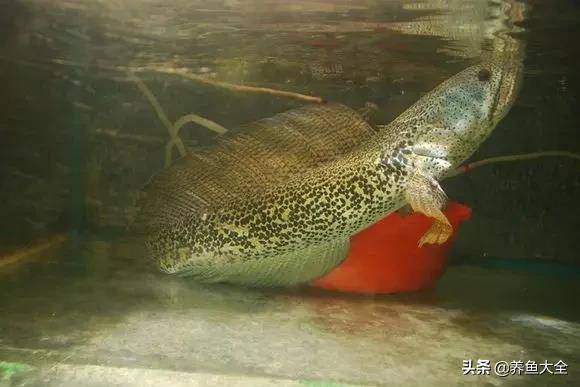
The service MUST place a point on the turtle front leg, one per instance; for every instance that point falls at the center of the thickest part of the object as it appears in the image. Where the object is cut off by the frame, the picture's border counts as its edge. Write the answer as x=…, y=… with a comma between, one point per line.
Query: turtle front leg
x=425, y=195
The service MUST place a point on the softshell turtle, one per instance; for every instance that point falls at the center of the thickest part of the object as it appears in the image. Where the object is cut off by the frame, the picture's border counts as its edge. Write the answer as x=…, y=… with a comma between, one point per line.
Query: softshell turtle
x=274, y=204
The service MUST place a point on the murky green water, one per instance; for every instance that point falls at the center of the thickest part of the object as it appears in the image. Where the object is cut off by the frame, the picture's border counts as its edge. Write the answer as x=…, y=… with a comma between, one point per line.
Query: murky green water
x=79, y=139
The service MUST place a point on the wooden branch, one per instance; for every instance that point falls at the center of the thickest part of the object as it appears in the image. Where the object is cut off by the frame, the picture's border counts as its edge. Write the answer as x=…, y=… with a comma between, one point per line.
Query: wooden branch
x=503, y=159
x=233, y=87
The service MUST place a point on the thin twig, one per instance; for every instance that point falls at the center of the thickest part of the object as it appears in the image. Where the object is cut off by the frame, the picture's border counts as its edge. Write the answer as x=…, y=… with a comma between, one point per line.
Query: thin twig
x=32, y=250
x=503, y=159
x=233, y=87
x=127, y=136
x=200, y=121
x=173, y=129
x=152, y=100
x=173, y=140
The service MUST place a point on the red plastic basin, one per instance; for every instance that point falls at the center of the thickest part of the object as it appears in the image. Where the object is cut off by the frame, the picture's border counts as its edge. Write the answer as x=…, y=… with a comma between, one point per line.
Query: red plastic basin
x=385, y=257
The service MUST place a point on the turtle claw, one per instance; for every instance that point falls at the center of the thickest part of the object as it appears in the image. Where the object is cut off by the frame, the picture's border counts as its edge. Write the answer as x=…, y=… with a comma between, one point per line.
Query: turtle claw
x=438, y=234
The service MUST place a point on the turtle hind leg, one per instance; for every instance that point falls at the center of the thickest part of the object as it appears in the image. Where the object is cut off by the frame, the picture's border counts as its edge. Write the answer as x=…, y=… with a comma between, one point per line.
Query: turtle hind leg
x=426, y=196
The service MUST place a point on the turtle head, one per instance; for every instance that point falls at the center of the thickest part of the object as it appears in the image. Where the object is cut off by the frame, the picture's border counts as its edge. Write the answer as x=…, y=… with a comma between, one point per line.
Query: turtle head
x=461, y=113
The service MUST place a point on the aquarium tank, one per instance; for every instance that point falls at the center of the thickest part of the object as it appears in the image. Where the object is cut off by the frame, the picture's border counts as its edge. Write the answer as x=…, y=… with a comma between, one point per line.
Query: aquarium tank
x=289, y=193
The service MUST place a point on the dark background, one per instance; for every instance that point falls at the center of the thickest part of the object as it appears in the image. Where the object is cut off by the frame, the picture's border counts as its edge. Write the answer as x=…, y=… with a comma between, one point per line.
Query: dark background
x=77, y=141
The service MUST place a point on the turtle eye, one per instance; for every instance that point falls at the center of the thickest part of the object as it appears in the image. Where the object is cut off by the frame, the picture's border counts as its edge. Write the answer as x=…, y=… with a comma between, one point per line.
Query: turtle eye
x=484, y=75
